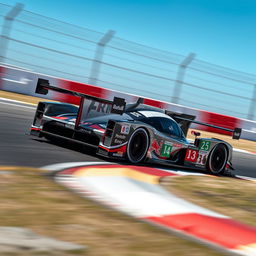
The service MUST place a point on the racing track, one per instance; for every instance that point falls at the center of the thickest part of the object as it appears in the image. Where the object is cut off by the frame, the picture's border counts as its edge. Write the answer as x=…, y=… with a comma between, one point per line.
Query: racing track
x=17, y=148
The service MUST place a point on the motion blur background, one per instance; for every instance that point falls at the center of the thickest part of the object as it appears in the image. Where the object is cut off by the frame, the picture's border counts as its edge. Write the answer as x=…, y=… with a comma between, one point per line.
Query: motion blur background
x=46, y=45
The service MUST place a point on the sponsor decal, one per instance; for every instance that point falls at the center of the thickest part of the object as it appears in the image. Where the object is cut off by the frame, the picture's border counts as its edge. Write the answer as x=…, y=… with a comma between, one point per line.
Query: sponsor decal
x=118, y=106
x=125, y=129
x=92, y=108
x=191, y=155
x=205, y=145
x=117, y=141
x=99, y=107
x=119, y=136
x=166, y=149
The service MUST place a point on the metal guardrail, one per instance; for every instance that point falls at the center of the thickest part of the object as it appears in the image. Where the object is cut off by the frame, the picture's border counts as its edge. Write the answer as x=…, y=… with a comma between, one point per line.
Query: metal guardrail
x=46, y=45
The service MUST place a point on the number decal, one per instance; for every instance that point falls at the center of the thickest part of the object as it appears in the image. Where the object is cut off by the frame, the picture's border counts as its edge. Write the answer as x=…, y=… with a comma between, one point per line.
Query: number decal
x=202, y=159
x=191, y=155
x=205, y=145
x=166, y=150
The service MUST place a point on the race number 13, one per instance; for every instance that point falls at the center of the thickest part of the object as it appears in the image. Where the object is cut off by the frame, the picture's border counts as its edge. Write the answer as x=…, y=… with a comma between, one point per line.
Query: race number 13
x=191, y=155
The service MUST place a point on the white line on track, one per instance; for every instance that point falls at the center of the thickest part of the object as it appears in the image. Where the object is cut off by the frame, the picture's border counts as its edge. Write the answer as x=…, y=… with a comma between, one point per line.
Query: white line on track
x=17, y=101
x=18, y=105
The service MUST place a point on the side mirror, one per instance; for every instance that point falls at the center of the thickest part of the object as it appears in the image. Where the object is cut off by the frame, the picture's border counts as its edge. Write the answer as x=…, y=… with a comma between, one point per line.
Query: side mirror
x=196, y=134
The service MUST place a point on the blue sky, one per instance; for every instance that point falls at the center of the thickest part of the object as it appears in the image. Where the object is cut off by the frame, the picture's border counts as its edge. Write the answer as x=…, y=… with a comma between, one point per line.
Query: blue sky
x=222, y=32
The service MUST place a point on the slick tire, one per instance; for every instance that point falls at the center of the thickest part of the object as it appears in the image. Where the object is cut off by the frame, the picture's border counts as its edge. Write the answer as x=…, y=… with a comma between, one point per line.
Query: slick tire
x=138, y=146
x=218, y=159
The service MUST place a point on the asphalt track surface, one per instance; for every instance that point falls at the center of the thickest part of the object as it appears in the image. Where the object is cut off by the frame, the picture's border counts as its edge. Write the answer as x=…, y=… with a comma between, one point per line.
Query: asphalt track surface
x=17, y=148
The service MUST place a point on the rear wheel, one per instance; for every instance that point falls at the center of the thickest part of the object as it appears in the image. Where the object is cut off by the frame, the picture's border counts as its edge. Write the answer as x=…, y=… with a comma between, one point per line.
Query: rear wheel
x=138, y=146
x=218, y=159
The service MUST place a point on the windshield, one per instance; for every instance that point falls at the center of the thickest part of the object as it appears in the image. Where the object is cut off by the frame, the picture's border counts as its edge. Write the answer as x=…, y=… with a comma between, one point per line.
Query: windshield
x=165, y=125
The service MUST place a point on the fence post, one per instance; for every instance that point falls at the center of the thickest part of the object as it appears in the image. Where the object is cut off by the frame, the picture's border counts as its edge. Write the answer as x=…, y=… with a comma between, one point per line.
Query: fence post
x=180, y=77
x=252, y=107
x=6, y=29
x=96, y=63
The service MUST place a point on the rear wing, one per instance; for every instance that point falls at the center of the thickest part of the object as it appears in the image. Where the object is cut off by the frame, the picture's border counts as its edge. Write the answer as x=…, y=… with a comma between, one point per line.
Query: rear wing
x=236, y=133
x=87, y=102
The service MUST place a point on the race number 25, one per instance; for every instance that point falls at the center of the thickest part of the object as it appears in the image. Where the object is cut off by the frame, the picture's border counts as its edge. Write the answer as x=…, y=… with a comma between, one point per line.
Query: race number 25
x=191, y=155
x=205, y=145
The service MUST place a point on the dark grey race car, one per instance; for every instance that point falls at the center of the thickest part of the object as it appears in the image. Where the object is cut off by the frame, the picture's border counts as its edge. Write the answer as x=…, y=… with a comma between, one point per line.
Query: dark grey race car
x=134, y=132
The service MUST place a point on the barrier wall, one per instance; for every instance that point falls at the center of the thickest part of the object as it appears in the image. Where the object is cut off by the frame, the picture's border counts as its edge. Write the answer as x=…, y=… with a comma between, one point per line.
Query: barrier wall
x=24, y=82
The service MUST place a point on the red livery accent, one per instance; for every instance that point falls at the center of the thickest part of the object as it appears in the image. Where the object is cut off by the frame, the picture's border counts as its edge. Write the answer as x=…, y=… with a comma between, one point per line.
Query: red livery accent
x=97, y=127
x=60, y=117
x=121, y=149
x=35, y=129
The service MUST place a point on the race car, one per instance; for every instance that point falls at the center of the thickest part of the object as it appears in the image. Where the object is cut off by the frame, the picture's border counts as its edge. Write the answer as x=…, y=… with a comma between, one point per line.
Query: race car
x=133, y=132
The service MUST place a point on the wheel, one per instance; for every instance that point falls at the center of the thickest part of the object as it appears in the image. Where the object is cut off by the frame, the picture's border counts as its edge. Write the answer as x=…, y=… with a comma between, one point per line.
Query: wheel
x=218, y=159
x=138, y=146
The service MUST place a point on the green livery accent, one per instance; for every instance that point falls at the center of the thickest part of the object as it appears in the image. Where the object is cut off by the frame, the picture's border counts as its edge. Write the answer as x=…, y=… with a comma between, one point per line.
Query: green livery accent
x=166, y=150
x=205, y=145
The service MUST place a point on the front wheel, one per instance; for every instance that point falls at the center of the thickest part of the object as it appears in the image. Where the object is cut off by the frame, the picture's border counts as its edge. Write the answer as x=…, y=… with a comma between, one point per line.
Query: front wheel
x=218, y=159
x=138, y=146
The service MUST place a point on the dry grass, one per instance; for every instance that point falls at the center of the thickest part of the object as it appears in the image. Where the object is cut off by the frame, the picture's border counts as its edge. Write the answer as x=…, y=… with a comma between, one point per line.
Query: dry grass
x=232, y=197
x=30, y=199
x=21, y=97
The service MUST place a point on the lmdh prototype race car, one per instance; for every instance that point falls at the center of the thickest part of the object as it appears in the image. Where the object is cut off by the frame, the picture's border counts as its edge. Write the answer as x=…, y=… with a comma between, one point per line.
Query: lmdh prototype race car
x=135, y=132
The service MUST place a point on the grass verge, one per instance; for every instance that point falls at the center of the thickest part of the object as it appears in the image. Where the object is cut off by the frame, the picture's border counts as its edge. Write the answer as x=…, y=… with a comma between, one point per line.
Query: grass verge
x=32, y=200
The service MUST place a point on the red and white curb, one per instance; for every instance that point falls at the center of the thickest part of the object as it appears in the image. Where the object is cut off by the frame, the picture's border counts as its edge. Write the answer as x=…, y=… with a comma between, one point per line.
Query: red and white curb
x=135, y=190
